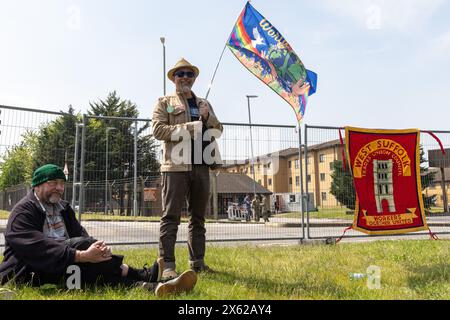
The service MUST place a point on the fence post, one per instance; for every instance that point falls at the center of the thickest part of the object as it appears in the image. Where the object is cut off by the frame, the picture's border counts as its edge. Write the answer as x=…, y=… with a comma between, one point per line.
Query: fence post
x=214, y=196
x=141, y=192
x=444, y=192
x=300, y=162
x=75, y=162
x=83, y=153
x=306, y=179
x=135, y=204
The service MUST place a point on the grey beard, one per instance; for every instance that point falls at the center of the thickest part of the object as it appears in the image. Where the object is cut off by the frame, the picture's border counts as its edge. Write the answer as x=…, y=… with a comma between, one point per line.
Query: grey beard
x=186, y=89
x=54, y=199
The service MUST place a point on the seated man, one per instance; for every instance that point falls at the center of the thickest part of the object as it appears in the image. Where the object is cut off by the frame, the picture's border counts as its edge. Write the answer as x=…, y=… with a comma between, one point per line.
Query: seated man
x=43, y=238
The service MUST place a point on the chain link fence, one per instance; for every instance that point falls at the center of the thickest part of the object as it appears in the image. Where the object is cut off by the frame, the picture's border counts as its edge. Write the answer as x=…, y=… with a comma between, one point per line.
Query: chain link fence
x=121, y=201
x=120, y=168
x=251, y=166
x=326, y=216
x=116, y=162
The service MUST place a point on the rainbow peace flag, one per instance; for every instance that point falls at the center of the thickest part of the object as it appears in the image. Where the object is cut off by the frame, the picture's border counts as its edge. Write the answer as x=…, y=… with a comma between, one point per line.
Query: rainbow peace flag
x=258, y=45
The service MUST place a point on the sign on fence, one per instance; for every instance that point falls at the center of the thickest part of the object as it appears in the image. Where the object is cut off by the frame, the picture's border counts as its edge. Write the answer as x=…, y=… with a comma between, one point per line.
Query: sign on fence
x=438, y=159
x=150, y=194
x=386, y=174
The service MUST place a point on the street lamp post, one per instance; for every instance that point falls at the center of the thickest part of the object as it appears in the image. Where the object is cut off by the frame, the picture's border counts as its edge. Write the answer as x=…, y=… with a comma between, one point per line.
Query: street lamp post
x=251, y=142
x=106, y=171
x=163, y=41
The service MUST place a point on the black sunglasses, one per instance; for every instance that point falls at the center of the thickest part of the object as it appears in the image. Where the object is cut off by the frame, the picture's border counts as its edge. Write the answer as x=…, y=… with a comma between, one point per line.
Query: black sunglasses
x=181, y=74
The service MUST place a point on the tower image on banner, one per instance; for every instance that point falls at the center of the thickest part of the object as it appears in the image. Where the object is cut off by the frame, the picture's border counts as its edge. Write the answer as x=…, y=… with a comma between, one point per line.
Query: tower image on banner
x=382, y=182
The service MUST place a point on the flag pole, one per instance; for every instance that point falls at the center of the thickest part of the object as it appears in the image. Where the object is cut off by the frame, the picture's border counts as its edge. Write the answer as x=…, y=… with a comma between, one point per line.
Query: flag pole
x=251, y=145
x=221, y=55
x=215, y=71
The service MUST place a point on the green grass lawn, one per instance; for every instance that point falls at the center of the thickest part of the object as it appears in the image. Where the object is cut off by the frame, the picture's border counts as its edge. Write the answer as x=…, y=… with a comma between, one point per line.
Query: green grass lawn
x=322, y=213
x=98, y=216
x=4, y=214
x=436, y=210
x=337, y=213
x=103, y=217
x=409, y=270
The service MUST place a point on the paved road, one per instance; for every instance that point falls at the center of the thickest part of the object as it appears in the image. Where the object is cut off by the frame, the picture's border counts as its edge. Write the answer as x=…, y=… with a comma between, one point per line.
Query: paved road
x=239, y=232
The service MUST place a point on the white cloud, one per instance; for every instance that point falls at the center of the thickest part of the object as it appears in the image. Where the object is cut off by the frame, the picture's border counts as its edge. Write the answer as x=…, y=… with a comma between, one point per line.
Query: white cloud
x=435, y=51
x=440, y=46
x=397, y=15
x=10, y=99
x=324, y=35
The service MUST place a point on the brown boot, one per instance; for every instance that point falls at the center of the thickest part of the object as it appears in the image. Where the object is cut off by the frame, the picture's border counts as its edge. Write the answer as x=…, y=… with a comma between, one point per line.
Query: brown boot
x=184, y=283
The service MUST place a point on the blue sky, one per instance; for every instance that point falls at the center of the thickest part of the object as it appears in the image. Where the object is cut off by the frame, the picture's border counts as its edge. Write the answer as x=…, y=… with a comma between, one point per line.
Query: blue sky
x=381, y=63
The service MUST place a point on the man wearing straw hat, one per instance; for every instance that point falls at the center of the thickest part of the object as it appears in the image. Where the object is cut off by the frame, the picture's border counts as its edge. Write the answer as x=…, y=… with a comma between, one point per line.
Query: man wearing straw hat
x=44, y=240
x=187, y=126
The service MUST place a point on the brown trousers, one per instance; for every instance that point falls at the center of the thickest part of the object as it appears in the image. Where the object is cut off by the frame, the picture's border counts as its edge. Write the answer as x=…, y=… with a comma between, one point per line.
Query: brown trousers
x=179, y=187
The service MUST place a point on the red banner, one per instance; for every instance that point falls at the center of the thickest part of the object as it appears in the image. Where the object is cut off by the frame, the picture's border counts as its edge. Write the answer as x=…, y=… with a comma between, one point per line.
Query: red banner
x=386, y=174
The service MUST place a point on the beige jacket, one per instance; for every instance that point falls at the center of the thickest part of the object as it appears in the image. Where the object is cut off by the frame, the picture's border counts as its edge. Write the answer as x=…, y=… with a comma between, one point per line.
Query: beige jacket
x=172, y=118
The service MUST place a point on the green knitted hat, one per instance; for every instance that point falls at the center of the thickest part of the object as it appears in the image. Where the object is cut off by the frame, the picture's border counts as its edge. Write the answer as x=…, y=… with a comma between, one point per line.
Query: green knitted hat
x=46, y=173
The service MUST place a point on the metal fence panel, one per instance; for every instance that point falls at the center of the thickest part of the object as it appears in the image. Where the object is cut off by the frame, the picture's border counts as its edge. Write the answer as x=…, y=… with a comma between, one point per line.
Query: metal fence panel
x=111, y=179
x=327, y=217
x=118, y=191
x=271, y=170
x=121, y=180
x=122, y=201
x=120, y=167
x=19, y=128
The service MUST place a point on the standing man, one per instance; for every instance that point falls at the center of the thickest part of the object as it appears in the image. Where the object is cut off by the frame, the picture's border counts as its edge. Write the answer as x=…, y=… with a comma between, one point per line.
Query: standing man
x=256, y=208
x=277, y=206
x=187, y=126
x=265, y=208
x=248, y=207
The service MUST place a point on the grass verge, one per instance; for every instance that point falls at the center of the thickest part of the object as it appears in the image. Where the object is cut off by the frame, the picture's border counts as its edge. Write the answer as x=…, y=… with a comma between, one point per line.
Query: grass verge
x=409, y=269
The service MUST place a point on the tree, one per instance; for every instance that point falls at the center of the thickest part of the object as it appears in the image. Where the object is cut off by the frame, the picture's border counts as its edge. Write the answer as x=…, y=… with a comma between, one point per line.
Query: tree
x=342, y=185
x=120, y=147
x=426, y=180
x=55, y=141
x=17, y=165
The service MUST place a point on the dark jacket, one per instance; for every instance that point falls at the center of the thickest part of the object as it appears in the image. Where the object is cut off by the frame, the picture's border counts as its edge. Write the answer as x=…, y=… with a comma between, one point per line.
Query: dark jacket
x=27, y=249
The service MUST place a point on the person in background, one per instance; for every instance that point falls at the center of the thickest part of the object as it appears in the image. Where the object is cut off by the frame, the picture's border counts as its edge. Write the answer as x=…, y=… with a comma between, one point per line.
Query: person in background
x=265, y=205
x=277, y=206
x=248, y=207
x=256, y=208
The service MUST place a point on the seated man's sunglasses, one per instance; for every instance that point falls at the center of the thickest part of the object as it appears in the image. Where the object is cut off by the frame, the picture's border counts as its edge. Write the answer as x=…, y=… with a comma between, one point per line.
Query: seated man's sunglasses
x=181, y=74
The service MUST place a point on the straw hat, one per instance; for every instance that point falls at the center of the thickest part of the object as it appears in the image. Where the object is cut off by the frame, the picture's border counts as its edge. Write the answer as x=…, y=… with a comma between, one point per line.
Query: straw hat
x=182, y=63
